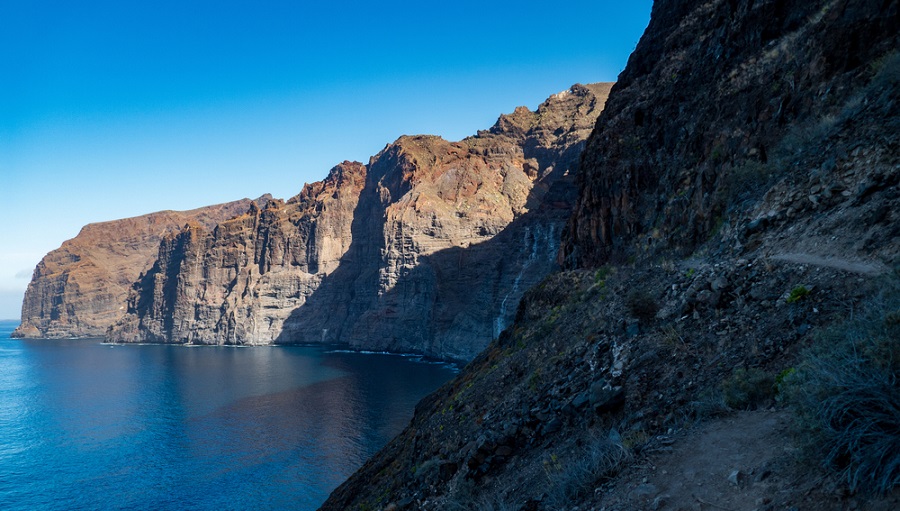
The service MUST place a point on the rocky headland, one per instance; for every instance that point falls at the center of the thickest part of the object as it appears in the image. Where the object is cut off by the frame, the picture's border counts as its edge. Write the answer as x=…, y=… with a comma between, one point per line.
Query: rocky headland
x=81, y=288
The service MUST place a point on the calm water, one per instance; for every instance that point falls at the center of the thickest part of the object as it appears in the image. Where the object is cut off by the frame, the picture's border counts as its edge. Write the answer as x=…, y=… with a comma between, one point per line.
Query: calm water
x=90, y=426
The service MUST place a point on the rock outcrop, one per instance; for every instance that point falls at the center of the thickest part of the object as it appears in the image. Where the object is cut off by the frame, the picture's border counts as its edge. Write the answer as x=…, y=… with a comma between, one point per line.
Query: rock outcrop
x=237, y=282
x=721, y=100
x=428, y=248
x=81, y=288
x=737, y=201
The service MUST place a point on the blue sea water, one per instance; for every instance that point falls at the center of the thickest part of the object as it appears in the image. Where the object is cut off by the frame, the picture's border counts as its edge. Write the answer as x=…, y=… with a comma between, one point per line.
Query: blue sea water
x=85, y=425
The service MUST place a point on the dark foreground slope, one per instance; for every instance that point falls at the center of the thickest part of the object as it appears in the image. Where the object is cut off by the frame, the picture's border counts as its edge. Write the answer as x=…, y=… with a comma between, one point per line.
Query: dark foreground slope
x=747, y=95
x=738, y=203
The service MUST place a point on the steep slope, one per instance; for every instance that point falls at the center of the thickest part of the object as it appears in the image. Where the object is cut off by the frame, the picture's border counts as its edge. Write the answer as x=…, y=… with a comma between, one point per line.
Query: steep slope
x=736, y=201
x=420, y=231
x=80, y=289
x=792, y=91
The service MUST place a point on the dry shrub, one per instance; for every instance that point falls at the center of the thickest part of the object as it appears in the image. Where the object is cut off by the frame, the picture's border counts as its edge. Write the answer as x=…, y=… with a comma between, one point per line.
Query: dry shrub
x=847, y=394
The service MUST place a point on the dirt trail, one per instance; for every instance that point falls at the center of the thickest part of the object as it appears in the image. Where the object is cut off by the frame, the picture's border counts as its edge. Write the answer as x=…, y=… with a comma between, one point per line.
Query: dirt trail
x=742, y=462
x=861, y=267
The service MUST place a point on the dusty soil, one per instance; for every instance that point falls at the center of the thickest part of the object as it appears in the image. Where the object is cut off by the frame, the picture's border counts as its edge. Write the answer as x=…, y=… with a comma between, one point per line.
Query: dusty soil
x=745, y=461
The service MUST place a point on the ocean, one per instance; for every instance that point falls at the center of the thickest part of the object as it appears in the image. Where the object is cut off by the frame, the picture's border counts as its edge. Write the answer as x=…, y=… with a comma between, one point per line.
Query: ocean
x=85, y=425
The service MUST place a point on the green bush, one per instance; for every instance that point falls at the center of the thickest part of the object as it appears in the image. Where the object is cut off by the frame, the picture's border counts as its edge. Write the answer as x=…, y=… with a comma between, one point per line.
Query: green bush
x=641, y=305
x=797, y=293
x=847, y=395
x=748, y=388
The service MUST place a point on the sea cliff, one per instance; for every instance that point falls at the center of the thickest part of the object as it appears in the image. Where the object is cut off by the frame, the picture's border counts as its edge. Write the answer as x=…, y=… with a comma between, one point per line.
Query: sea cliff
x=427, y=248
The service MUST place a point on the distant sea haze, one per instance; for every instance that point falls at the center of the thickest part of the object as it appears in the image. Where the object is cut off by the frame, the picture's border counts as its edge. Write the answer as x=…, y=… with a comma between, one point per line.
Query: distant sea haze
x=7, y=326
x=88, y=425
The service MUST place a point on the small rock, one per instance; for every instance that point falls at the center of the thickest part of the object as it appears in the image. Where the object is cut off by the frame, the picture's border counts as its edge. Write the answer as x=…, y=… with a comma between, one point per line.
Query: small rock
x=704, y=296
x=718, y=284
x=735, y=477
x=763, y=475
x=580, y=400
x=552, y=427
x=865, y=188
x=757, y=293
x=605, y=397
x=633, y=329
x=645, y=490
x=755, y=225
x=659, y=502
x=615, y=437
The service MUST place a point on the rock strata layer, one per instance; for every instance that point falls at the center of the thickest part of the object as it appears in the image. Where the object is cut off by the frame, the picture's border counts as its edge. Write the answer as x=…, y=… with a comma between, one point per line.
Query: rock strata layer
x=81, y=288
x=428, y=248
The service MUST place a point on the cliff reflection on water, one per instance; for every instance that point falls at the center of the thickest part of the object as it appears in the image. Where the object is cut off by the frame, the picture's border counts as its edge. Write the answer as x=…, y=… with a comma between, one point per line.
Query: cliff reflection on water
x=92, y=426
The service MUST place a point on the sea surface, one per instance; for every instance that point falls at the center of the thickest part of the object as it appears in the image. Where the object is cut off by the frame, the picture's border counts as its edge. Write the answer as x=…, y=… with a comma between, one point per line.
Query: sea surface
x=85, y=425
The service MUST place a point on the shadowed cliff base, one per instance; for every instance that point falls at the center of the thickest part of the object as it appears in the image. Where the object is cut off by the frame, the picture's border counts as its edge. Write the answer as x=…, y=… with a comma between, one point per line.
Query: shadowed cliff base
x=450, y=305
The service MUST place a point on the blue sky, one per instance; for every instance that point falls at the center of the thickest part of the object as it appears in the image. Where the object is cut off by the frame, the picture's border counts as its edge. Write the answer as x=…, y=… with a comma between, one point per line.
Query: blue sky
x=110, y=109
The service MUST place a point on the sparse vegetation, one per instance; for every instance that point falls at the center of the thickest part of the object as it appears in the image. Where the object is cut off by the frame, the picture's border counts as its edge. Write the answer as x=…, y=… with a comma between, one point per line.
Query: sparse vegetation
x=717, y=154
x=886, y=70
x=797, y=294
x=747, y=181
x=535, y=379
x=748, y=388
x=847, y=393
x=572, y=480
x=601, y=274
x=641, y=305
x=709, y=404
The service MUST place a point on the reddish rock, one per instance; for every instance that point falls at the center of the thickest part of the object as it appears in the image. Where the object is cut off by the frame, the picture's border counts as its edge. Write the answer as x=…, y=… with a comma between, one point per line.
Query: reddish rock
x=80, y=289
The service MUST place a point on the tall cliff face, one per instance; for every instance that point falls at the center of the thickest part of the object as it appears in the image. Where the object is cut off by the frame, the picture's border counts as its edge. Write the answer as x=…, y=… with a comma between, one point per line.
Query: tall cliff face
x=723, y=99
x=237, y=282
x=81, y=288
x=429, y=247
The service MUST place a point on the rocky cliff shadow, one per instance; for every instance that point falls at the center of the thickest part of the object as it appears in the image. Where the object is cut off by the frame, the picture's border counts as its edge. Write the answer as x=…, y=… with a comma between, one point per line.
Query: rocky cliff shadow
x=451, y=304
x=341, y=294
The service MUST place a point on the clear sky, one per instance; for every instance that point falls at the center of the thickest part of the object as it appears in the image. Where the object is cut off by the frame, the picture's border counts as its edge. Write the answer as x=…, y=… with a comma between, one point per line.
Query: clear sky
x=111, y=109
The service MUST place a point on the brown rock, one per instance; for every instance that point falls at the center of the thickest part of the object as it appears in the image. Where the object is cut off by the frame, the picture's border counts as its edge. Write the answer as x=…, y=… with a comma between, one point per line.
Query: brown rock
x=80, y=289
